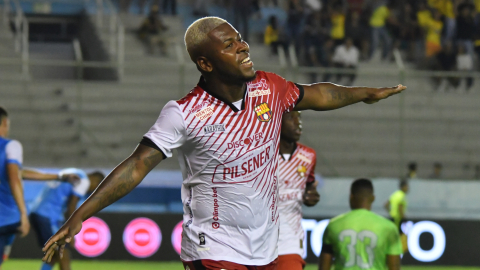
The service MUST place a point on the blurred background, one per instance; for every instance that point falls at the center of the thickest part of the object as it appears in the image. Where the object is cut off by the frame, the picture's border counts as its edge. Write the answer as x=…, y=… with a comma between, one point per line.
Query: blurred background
x=83, y=80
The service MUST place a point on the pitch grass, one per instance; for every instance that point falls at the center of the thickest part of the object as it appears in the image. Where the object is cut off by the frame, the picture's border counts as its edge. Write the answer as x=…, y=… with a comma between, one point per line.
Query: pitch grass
x=13, y=264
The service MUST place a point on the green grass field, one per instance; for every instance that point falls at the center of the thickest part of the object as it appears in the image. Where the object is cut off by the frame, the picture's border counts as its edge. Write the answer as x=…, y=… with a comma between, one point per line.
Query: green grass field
x=128, y=265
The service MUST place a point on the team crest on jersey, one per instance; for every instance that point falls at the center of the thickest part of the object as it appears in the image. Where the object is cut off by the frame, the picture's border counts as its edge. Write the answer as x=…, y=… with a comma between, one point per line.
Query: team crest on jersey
x=301, y=170
x=264, y=114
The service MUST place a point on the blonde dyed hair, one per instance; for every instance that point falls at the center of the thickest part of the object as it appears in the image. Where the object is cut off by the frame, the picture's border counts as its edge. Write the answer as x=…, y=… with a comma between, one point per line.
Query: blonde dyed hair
x=197, y=33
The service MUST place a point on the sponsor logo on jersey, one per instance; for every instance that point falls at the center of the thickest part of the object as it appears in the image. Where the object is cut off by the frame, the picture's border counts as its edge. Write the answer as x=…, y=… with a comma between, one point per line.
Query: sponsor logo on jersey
x=258, y=89
x=246, y=167
x=264, y=114
x=301, y=170
x=291, y=196
x=204, y=113
x=215, y=224
x=245, y=141
x=304, y=158
x=213, y=128
x=201, y=238
x=198, y=107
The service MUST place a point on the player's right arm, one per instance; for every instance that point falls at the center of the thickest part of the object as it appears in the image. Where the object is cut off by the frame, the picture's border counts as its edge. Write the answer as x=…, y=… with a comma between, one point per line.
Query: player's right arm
x=393, y=262
x=325, y=262
x=387, y=206
x=16, y=187
x=124, y=178
x=401, y=211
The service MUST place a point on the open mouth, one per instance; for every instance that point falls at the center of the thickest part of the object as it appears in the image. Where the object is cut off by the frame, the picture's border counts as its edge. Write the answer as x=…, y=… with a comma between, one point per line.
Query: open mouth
x=246, y=61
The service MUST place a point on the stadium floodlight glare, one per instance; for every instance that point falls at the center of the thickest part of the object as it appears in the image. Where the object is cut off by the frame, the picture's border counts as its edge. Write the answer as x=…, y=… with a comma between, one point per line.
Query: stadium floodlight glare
x=316, y=237
x=439, y=241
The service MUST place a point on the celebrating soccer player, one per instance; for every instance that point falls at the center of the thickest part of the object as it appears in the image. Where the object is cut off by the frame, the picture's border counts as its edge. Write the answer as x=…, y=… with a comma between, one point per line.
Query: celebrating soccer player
x=227, y=133
x=361, y=239
x=296, y=185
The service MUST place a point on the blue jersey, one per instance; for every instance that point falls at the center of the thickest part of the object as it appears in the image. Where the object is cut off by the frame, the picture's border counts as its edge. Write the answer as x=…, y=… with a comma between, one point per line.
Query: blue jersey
x=10, y=152
x=52, y=201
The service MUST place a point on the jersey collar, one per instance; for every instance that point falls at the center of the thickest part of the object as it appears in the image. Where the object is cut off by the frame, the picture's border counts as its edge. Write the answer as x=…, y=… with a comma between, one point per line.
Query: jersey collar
x=291, y=154
x=202, y=84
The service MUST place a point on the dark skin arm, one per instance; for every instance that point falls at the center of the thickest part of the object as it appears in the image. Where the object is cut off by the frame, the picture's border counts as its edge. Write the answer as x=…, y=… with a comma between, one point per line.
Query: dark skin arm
x=329, y=96
x=124, y=178
x=325, y=262
x=311, y=196
x=387, y=206
x=30, y=174
x=393, y=262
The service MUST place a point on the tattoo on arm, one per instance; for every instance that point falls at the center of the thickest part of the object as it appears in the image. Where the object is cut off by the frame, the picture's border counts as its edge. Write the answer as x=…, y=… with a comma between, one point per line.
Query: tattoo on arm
x=154, y=157
x=340, y=95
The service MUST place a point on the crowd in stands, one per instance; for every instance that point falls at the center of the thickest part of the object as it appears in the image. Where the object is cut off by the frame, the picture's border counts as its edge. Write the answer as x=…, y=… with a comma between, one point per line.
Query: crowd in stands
x=432, y=34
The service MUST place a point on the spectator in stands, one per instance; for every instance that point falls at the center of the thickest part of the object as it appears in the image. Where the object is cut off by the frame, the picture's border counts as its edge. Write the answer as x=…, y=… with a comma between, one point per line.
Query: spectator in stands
x=466, y=28
x=358, y=33
x=447, y=9
x=437, y=171
x=346, y=56
x=465, y=63
x=242, y=11
x=446, y=60
x=412, y=170
x=433, y=38
x=294, y=20
x=170, y=5
x=409, y=32
x=154, y=31
x=381, y=14
x=338, y=24
x=272, y=35
x=477, y=172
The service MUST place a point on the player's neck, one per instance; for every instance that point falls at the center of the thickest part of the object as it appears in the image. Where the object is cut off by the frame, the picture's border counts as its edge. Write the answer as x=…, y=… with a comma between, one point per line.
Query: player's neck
x=364, y=206
x=286, y=147
x=227, y=92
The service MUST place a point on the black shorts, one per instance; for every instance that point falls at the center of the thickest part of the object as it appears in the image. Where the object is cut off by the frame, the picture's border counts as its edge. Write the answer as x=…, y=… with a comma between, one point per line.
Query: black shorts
x=43, y=227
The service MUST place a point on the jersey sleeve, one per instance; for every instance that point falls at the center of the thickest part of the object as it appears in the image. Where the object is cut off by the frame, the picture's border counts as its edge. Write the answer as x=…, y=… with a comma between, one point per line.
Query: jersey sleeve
x=290, y=93
x=311, y=175
x=394, y=242
x=14, y=151
x=80, y=188
x=168, y=132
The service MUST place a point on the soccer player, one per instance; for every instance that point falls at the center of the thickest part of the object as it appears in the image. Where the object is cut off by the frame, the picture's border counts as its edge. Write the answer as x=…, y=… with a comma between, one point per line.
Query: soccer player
x=361, y=239
x=296, y=185
x=13, y=211
x=396, y=206
x=226, y=131
x=56, y=202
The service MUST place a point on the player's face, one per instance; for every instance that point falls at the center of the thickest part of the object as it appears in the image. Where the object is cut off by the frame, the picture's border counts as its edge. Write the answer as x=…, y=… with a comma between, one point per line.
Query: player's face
x=291, y=126
x=5, y=126
x=230, y=57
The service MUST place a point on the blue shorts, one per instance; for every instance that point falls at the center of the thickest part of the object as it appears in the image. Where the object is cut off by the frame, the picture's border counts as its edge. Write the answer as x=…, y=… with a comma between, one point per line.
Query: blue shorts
x=43, y=227
x=7, y=235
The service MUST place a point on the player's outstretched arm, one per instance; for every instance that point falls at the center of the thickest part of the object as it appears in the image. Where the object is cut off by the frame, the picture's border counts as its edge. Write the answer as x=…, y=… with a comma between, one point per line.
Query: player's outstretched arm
x=31, y=174
x=329, y=96
x=124, y=178
x=325, y=262
x=16, y=186
x=393, y=262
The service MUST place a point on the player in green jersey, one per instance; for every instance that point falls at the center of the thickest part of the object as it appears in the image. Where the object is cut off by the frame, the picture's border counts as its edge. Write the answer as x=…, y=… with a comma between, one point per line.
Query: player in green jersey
x=360, y=239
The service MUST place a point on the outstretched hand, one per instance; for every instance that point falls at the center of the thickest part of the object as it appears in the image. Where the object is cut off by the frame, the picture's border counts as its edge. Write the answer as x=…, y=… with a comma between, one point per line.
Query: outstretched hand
x=382, y=93
x=311, y=195
x=65, y=235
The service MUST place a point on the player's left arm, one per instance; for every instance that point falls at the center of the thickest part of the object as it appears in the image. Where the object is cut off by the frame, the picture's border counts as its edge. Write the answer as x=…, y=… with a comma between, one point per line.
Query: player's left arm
x=393, y=262
x=31, y=174
x=330, y=96
x=311, y=196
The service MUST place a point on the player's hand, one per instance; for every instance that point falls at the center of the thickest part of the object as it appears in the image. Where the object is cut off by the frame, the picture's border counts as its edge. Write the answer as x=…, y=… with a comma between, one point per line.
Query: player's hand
x=24, y=227
x=311, y=196
x=383, y=93
x=57, y=242
x=70, y=178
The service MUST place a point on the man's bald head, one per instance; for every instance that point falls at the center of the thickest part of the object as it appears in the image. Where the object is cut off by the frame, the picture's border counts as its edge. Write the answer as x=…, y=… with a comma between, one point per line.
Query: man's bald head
x=197, y=34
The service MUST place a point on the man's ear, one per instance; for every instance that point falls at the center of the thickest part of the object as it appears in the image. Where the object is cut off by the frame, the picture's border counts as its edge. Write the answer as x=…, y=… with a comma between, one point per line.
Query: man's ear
x=372, y=198
x=204, y=64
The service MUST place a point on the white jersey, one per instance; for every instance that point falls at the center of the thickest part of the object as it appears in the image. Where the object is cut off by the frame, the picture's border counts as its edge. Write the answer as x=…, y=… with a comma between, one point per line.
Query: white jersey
x=229, y=160
x=293, y=175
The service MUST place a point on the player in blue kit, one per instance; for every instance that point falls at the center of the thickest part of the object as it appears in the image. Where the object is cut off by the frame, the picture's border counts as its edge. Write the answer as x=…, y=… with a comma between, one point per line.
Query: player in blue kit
x=13, y=212
x=57, y=201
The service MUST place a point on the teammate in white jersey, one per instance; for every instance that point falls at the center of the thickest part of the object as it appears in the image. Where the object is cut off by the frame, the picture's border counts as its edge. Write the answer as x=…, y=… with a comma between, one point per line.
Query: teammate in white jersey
x=226, y=132
x=296, y=186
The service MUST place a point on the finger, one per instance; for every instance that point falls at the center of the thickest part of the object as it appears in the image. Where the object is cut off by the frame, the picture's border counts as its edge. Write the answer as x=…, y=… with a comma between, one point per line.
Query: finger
x=62, y=248
x=315, y=184
x=55, y=238
x=48, y=256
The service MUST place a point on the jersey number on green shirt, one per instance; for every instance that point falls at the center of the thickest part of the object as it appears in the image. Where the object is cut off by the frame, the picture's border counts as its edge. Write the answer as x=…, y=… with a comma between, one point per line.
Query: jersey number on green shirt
x=354, y=257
